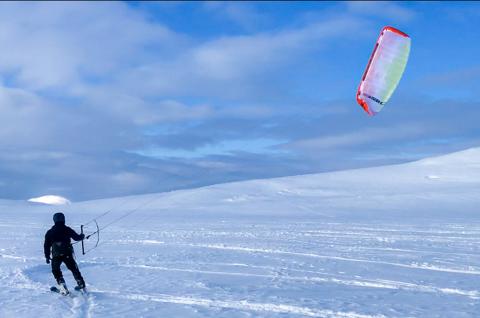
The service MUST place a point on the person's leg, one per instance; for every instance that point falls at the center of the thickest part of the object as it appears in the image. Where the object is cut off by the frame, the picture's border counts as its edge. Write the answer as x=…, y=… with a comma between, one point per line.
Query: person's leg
x=73, y=267
x=56, y=271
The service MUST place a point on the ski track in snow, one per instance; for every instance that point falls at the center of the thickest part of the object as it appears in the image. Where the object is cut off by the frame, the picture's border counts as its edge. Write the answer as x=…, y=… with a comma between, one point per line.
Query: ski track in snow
x=239, y=305
x=80, y=306
x=270, y=251
x=261, y=269
x=380, y=283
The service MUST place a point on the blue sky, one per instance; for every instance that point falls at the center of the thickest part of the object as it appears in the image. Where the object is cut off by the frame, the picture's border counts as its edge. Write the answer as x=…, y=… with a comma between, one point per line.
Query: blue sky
x=115, y=98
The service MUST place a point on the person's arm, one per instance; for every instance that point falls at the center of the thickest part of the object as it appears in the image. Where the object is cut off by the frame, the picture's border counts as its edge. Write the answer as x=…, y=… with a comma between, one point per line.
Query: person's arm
x=75, y=236
x=46, y=246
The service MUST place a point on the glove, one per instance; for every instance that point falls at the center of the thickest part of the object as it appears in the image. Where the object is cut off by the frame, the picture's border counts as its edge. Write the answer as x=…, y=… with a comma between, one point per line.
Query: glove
x=47, y=260
x=82, y=236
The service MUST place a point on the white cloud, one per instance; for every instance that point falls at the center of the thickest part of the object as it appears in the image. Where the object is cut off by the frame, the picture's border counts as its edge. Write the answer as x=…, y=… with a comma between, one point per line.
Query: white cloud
x=460, y=76
x=81, y=84
x=62, y=45
x=50, y=200
x=382, y=9
x=137, y=111
x=229, y=147
x=356, y=138
x=115, y=62
x=236, y=66
x=243, y=14
x=129, y=180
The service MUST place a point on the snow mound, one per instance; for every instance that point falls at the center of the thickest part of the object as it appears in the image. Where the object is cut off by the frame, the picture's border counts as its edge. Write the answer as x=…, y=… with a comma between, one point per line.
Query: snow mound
x=50, y=200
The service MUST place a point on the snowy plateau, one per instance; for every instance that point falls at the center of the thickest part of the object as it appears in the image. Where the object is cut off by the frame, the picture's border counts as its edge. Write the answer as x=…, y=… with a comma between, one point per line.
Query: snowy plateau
x=390, y=241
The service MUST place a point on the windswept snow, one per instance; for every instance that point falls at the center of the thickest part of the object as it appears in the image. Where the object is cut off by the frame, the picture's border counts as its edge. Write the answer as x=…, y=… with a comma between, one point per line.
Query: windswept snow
x=393, y=241
x=50, y=199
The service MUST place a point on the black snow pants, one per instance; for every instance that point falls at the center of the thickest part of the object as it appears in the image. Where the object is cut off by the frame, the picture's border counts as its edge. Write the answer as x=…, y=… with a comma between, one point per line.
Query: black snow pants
x=71, y=265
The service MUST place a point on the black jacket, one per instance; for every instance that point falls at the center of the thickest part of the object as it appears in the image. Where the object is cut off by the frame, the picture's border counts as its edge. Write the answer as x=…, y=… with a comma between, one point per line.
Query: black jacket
x=58, y=239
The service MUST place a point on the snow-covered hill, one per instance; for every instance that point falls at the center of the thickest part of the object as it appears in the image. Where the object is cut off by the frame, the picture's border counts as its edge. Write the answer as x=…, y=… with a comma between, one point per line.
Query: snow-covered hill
x=393, y=241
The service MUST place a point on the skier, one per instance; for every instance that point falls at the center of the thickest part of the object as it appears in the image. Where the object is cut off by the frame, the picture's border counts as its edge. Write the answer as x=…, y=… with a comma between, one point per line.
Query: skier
x=57, y=240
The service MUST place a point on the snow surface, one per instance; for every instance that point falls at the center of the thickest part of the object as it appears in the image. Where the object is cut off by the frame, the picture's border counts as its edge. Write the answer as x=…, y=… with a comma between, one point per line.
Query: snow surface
x=393, y=241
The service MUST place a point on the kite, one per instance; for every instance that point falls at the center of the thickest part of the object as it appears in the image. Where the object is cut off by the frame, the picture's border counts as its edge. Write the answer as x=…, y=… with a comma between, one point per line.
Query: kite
x=384, y=70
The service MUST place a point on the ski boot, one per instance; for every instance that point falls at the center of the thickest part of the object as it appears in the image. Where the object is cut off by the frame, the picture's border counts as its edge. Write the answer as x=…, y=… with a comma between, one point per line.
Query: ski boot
x=62, y=287
x=80, y=286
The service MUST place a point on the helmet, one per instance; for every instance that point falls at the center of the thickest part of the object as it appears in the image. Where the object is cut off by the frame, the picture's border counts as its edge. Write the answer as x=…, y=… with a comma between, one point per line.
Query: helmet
x=59, y=217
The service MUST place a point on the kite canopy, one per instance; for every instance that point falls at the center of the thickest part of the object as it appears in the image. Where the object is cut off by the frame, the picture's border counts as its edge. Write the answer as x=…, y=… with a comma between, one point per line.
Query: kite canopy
x=384, y=69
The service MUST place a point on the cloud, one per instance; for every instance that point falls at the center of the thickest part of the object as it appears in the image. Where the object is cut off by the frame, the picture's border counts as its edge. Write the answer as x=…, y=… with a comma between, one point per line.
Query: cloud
x=50, y=200
x=243, y=14
x=224, y=147
x=356, y=138
x=86, y=90
x=465, y=76
x=129, y=181
x=60, y=46
x=234, y=67
x=139, y=112
x=382, y=9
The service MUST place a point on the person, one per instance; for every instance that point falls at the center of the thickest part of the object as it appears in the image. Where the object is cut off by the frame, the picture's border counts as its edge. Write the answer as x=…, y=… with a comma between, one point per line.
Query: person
x=57, y=242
